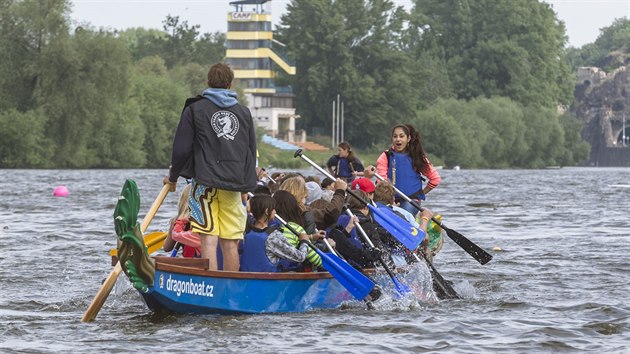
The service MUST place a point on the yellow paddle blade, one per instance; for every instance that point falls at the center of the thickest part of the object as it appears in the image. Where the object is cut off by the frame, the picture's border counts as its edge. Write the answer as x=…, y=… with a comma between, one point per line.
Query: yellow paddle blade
x=153, y=240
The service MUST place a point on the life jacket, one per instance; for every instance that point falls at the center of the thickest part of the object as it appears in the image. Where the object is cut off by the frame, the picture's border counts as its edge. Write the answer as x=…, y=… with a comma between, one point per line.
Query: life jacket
x=312, y=257
x=254, y=257
x=354, y=236
x=285, y=265
x=190, y=252
x=344, y=167
x=403, y=175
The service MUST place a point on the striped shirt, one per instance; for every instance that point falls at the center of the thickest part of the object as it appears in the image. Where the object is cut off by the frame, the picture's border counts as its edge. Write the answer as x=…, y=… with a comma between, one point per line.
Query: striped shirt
x=312, y=257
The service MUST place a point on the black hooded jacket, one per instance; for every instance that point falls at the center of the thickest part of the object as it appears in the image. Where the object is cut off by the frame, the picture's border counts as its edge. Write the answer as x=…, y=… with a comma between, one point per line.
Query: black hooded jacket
x=216, y=146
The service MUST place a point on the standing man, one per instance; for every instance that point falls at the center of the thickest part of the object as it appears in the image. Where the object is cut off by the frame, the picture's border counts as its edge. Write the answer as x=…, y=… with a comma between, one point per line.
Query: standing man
x=215, y=145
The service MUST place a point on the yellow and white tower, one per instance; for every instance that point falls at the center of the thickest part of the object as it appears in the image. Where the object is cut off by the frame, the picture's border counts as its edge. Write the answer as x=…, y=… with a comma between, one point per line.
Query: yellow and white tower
x=255, y=57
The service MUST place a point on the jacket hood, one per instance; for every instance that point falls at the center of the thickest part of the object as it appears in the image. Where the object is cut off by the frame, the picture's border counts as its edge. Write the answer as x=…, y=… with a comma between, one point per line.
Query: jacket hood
x=223, y=98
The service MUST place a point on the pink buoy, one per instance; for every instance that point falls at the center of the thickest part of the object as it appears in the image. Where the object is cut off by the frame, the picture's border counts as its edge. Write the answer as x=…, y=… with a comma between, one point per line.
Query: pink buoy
x=61, y=191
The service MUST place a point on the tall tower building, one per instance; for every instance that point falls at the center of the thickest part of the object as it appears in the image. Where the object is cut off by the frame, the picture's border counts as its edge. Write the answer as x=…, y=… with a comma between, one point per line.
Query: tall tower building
x=255, y=58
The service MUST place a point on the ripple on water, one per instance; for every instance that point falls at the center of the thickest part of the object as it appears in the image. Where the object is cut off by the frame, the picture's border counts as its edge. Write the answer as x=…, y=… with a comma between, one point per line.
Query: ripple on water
x=560, y=285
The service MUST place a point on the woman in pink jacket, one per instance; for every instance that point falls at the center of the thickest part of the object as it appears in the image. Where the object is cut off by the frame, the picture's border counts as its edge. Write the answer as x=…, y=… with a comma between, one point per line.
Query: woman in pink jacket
x=406, y=166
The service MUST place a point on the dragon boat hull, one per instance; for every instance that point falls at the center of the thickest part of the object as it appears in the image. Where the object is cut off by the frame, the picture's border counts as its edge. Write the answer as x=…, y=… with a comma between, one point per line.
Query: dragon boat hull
x=186, y=286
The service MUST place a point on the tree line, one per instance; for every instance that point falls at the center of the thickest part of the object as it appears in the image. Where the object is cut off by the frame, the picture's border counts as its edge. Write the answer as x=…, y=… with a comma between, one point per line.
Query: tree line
x=482, y=80
x=85, y=97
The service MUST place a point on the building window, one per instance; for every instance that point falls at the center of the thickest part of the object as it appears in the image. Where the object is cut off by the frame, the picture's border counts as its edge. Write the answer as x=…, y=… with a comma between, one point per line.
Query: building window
x=256, y=83
x=249, y=44
x=284, y=102
x=249, y=63
x=249, y=26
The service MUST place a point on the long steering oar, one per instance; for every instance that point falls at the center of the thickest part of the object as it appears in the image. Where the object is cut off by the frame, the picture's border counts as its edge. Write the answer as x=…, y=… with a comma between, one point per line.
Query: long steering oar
x=401, y=288
x=398, y=227
x=354, y=281
x=467, y=245
x=106, y=288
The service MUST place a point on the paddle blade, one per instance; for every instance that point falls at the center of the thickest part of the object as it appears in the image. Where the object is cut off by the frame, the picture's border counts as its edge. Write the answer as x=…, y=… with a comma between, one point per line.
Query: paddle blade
x=408, y=235
x=354, y=281
x=401, y=288
x=442, y=288
x=475, y=251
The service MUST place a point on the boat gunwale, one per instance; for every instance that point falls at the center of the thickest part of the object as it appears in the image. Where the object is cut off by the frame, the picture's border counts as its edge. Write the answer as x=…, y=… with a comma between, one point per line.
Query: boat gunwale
x=199, y=267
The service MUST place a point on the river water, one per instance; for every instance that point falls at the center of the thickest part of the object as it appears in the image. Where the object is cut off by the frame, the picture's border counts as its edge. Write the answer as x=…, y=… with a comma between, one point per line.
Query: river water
x=559, y=280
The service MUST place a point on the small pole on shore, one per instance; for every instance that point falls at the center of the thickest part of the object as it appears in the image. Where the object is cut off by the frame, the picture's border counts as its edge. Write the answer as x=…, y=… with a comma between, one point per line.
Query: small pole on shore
x=333, y=124
x=343, y=119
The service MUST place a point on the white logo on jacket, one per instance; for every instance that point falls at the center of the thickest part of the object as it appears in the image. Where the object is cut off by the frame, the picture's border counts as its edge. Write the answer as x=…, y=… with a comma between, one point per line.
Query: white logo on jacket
x=225, y=124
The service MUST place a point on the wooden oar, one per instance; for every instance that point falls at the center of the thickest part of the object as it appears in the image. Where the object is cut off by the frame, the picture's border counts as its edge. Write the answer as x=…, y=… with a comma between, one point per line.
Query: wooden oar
x=467, y=245
x=98, y=301
x=354, y=281
x=401, y=288
x=398, y=231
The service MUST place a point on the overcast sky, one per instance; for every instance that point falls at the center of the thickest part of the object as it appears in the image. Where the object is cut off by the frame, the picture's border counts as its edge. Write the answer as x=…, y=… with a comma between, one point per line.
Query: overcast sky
x=582, y=18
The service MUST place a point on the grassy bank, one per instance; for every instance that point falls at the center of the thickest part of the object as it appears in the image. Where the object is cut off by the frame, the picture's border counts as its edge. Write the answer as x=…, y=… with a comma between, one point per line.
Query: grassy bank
x=271, y=156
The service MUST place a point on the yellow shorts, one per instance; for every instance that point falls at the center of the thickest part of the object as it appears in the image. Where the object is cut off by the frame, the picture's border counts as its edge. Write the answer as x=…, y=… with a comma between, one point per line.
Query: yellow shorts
x=216, y=212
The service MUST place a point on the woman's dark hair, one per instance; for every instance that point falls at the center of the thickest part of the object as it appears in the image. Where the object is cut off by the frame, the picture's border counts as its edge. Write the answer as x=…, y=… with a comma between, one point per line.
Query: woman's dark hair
x=354, y=203
x=414, y=148
x=327, y=182
x=259, y=203
x=262, y=190
x=287, y=207
x=346, y=146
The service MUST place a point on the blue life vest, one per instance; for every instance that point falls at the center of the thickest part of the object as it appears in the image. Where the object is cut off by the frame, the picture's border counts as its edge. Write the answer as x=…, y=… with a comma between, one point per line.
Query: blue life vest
x=401, y=172
x=254, y=257
x=354, y=236
x=344, y=169
x=341, y=166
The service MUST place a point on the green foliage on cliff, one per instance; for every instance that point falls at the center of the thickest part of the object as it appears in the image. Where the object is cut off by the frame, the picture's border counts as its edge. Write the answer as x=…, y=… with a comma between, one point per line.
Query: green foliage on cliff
x=610, y=50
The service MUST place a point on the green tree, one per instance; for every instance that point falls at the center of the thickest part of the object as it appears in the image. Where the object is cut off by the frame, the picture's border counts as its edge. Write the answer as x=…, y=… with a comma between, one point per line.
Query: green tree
x=159, y=100
x=505, y=48
x=351, y=48
x=180, y=43
x=209, y=49
x=144, y=42
x=83, y=79
x=24, y=143
x=576, y=150
x=127, y=135
x=26, y=28
x=610, y=50
x=505, y=144
x=442, y=135
x=193, y=76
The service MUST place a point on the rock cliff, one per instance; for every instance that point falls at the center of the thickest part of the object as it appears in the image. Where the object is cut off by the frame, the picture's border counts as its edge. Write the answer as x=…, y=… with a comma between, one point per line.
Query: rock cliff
x=602, y=101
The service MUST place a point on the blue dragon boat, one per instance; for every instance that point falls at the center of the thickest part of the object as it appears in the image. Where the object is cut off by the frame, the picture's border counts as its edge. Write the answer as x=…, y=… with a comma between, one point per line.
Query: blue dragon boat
x=185, y=285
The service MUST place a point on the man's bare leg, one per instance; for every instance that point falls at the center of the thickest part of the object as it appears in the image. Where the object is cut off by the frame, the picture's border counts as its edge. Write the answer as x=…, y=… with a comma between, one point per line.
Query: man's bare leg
x=209, y=249
x=231, y=262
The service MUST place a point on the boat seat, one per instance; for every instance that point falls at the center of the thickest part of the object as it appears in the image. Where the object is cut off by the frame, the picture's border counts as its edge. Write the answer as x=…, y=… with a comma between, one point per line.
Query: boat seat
x=202, y=263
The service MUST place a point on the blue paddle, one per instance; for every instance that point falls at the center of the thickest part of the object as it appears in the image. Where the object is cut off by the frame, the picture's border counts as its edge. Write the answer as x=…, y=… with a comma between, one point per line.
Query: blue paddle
x=175, y=249
x=354, y=281
x=395, y=226
x=478, y=253
x=401, y=288
x=411, y=237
